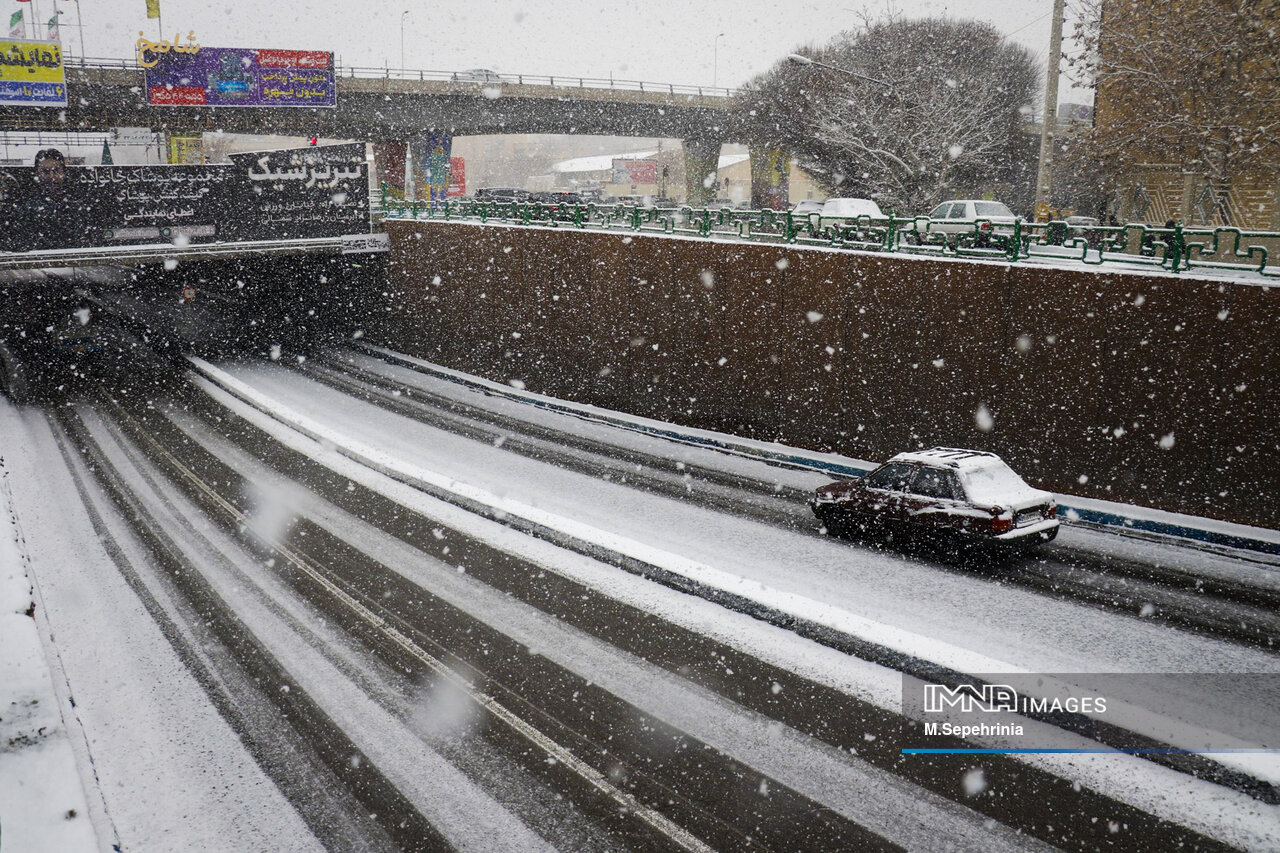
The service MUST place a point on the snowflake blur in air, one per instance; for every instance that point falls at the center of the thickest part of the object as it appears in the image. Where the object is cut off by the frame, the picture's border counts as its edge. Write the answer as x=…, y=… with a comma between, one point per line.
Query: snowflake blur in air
x=982, y=418
x=974, y=782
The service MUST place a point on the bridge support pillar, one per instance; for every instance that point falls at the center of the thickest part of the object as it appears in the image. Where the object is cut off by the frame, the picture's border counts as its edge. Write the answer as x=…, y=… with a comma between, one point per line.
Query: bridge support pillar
x=770, y=178
x=701, y=159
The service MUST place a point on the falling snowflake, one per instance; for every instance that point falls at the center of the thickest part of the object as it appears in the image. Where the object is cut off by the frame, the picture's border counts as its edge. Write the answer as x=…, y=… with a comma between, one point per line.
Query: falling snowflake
x=982, y=418
x=975, y=782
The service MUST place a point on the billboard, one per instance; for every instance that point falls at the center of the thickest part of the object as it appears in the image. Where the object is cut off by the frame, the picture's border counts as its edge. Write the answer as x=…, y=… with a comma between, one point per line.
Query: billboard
x=31, y=74
x=238, y=77
x=273, y=195
x=635, y=171
x=304, y=192
x=457, y=177
x=430, y=155
x=186, y=150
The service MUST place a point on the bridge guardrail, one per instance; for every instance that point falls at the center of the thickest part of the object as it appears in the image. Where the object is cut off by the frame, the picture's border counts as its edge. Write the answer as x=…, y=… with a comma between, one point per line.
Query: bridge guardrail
x=1177, y=249
x=384, y=72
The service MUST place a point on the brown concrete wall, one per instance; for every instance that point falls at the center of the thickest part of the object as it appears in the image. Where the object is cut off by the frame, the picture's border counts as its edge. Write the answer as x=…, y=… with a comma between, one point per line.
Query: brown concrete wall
x=1083, y=372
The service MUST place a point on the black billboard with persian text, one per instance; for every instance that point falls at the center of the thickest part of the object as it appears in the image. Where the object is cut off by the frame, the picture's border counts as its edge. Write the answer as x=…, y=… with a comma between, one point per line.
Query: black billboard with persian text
x=273, y=195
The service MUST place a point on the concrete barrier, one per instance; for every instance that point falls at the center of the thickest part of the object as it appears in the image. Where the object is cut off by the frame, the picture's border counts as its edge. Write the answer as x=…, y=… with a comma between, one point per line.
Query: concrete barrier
x=1147, y=389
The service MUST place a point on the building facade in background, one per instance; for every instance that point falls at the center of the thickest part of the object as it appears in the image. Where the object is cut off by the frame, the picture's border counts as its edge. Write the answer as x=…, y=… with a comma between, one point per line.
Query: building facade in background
x=1188, y=96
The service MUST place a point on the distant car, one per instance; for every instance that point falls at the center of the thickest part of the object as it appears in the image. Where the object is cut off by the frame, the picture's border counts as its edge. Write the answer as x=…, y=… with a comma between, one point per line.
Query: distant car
x=1086, y=227
x=804, y=214
x=477, y=75
x=805, y=207
x=840, y=213
x=966, y=495
x=557, y=204
x=977, y=219
x=504, y=195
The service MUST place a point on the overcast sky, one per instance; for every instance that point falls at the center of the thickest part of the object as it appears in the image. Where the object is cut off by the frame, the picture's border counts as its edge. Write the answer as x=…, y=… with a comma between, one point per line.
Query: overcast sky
x=664, y=41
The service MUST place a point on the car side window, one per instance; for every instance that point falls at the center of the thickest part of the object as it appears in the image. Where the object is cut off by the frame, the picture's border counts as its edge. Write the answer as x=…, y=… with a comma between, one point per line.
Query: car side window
x=957, y=211
x=934, y=483
x=892, y=477
x=940, y=212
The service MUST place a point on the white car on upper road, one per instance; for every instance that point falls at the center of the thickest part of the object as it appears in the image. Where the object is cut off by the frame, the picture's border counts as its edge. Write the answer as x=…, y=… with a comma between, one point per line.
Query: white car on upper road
x=978, y=219
x=839, y=213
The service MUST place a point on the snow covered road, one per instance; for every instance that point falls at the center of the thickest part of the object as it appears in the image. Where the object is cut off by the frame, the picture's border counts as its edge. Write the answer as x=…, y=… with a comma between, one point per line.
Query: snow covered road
x=385, y=508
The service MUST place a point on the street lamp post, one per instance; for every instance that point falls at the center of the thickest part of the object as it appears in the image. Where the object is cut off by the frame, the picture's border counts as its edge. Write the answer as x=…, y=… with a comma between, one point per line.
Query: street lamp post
x=80, y=27
x=804, y=60
x=715, y=60
x=403, y=15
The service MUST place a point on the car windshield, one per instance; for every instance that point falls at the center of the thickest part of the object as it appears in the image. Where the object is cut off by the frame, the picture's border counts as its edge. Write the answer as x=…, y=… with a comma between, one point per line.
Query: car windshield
x=996, y=483
x=892, y=477
x=991, y=208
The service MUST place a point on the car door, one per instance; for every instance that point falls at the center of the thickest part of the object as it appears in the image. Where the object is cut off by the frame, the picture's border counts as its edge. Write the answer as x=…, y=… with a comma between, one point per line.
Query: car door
x=879, y=494
x=931, y=501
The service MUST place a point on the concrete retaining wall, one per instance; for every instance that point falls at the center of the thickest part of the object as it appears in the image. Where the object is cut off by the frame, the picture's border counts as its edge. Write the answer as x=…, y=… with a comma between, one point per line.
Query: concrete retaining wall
x=1084, y=374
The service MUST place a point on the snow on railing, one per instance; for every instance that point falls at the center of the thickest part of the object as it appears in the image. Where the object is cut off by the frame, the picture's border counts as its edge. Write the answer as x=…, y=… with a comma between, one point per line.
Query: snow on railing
x=1174, y=249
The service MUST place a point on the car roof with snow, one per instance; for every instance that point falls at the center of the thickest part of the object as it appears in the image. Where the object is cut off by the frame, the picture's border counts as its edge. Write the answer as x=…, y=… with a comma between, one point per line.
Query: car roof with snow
x=986, y=476
x=950, y=457
x=851, y=207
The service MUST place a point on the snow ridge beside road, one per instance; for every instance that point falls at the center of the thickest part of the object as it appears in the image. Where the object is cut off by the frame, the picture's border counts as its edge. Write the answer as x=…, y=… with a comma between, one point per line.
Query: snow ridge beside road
x=42, y=798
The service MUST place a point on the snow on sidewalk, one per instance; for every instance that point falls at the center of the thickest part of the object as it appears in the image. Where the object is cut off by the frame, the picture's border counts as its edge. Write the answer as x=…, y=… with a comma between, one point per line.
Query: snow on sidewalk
x=42, y=800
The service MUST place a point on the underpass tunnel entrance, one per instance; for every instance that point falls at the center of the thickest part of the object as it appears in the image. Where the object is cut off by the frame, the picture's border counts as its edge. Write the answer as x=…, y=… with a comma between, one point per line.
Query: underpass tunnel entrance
x=79, y=322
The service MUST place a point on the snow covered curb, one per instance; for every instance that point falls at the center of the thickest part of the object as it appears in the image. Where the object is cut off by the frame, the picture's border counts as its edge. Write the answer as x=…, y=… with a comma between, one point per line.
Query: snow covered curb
x=1121, y=518
x=42, y=800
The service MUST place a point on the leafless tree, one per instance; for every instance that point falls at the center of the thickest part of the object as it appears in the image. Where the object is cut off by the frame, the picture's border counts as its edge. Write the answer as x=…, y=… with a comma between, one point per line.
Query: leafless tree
x=944, y=119
x=1194, y=83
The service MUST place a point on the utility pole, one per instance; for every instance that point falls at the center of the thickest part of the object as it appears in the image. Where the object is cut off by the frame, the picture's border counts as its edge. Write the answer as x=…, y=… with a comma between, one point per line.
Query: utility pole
x=1049, y=119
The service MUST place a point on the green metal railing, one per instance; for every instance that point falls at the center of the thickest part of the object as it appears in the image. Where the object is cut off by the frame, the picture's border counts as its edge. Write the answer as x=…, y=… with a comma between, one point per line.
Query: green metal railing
x=1176, y=249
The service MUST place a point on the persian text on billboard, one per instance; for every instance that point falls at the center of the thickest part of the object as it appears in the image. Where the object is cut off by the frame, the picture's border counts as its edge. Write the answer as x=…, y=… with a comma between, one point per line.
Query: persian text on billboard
x=241, y=77
x=296, y=193
x=31, y=74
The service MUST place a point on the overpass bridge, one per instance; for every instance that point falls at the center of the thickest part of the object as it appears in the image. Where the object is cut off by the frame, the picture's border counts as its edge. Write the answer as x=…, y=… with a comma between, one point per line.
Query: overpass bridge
x=387, y=105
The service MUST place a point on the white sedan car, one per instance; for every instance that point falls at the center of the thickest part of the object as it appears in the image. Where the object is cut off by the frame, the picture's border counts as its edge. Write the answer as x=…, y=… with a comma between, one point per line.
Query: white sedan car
x=976, y=218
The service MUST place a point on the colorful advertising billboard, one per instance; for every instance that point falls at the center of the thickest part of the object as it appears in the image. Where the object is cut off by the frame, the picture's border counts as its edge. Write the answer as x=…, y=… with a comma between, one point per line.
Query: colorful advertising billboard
x=236, y=77
x=31, y=74
x=635, y=171
x=430, y=155
x=457, y=177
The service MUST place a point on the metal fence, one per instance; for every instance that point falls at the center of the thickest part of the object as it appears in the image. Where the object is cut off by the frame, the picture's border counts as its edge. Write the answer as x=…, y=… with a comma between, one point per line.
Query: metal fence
x=1176, y=249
